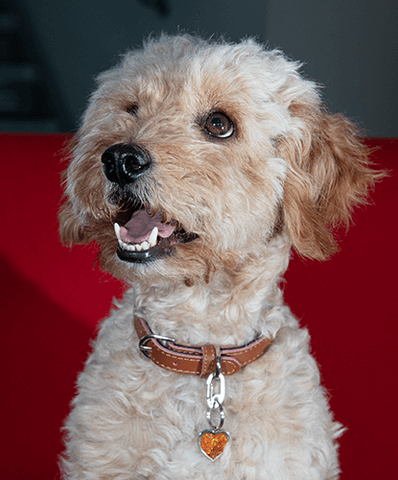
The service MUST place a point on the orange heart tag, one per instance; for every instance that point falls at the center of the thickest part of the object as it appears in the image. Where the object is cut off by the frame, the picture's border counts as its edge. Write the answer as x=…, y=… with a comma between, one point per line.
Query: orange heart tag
x=213, y=442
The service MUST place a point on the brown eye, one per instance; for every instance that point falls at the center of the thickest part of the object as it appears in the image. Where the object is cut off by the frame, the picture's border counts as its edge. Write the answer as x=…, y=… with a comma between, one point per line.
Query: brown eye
x=219, y=125
x=132, y=109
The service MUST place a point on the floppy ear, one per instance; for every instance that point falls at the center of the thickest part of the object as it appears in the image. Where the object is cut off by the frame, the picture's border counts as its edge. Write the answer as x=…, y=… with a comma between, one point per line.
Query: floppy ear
x=70, y=227
x=328, y=174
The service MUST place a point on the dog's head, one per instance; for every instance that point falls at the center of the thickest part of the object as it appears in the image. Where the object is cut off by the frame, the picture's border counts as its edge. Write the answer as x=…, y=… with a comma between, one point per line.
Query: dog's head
x=193, y=154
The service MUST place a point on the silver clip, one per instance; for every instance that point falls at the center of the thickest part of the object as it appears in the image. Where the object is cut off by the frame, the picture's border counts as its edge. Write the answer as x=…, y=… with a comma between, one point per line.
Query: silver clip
x=214, y=400
x=143, y=341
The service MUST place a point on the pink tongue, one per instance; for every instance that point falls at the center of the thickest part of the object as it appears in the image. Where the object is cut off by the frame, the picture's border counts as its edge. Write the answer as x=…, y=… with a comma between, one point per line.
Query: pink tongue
x=138, y=229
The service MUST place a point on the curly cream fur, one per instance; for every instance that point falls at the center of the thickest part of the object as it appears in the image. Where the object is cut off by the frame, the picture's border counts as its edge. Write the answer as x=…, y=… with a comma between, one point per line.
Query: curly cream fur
x=289, y=174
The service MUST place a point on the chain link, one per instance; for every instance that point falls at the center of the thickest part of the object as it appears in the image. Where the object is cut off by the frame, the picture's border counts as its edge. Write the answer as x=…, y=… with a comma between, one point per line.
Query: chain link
x=215, y=400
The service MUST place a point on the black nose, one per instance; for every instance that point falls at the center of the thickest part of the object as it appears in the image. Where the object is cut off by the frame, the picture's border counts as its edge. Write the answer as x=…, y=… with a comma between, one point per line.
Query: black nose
x=124, y=162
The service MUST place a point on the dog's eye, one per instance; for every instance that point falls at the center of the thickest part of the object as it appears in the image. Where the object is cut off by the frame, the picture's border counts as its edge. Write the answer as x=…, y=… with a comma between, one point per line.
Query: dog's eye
x=219, y=125
x=132, y=109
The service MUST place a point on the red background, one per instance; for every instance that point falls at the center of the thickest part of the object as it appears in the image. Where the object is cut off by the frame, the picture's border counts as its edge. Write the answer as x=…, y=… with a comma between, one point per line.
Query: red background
x=53, y=298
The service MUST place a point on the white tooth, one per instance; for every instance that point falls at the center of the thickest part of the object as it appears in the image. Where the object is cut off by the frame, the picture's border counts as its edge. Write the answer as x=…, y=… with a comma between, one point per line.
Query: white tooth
x=145, y=246
x=126, y=246
x=137, y=247
x=152, y=240
x=117, y=231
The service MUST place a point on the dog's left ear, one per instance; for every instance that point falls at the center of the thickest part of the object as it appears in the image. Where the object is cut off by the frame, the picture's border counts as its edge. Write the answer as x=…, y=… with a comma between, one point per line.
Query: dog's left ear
x=328, y=174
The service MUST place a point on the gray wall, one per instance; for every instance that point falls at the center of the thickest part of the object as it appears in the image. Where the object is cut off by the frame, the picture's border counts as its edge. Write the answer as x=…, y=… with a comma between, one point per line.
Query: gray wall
x=350, y=47
x=83, y=37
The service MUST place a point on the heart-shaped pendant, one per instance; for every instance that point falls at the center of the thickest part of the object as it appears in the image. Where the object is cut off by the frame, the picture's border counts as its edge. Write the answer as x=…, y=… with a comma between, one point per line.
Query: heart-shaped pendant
x=212, y=443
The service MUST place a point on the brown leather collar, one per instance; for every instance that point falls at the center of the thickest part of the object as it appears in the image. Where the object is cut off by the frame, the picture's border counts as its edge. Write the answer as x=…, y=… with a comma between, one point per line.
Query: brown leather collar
x=196, y=359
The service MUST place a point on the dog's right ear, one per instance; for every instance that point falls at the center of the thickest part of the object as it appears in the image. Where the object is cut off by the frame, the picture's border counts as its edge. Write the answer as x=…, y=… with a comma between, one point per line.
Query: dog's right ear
x=70, y=227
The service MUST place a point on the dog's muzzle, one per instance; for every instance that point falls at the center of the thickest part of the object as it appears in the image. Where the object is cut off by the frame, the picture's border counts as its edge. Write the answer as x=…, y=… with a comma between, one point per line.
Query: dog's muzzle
x=124, y=163
x=142, y=234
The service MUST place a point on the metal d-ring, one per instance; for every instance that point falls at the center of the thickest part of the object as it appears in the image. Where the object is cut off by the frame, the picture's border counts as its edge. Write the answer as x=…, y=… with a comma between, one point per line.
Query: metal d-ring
x=145, y=339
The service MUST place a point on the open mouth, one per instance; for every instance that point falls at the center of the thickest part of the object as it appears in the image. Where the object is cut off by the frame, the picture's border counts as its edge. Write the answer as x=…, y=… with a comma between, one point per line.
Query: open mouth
x=146, y=237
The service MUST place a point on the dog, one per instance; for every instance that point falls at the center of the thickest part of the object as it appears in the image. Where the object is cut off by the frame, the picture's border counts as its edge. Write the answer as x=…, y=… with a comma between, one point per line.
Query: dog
x=198, y=167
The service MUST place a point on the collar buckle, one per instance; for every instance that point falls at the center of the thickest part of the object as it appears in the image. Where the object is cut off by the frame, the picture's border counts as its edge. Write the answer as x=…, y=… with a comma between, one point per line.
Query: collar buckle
x=142, y=345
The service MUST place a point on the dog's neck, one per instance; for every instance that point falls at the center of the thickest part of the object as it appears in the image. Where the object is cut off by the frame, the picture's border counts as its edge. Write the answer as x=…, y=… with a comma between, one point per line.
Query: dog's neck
x=230, y=309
